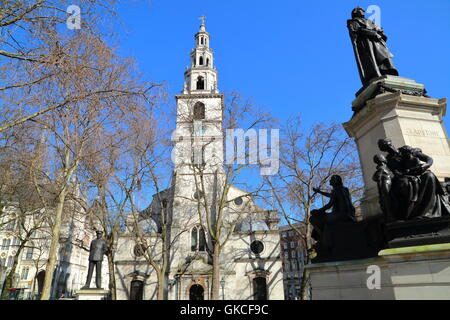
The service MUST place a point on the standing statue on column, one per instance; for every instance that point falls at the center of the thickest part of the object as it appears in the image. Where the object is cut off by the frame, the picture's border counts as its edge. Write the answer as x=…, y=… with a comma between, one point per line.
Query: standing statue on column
x=369, y=44
x=97, y=250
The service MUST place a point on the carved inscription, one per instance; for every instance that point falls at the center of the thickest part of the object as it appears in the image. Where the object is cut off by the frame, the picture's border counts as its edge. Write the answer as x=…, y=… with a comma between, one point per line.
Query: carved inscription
x=422, y=132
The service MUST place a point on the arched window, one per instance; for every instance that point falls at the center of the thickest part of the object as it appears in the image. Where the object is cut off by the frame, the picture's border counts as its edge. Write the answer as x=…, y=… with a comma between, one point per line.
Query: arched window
x=137, y=290
x=200, y=83
x=207, y=61
x=194, y=238
x=200, y=62
x=199, y=111
x=260, y=288
x=201, y=40
x=198, y=239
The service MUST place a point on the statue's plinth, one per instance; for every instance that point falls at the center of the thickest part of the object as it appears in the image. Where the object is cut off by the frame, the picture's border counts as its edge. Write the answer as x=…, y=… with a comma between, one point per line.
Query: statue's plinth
x=92, y=294
x=418, y=272
x=384, y=84
x=418, y=232
x=401, y=112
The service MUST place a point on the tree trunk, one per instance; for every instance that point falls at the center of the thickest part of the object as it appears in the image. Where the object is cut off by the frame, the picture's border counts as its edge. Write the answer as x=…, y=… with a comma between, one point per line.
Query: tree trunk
x=52, y=254
x=162, y=284
x=304, y=286
x=10, y=277
x=215, y=286
x=112, y=276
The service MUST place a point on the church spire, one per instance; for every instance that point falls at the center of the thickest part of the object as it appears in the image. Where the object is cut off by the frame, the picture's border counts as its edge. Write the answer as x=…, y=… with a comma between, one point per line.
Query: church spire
x=201, y=76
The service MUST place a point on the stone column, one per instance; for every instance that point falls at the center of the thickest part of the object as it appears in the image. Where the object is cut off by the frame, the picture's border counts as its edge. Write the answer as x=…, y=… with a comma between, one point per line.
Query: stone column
x=397, y=108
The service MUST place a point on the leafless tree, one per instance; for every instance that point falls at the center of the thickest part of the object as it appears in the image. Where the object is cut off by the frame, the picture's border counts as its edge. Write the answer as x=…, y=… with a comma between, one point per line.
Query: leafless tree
x=308, y=159
x=35, y=49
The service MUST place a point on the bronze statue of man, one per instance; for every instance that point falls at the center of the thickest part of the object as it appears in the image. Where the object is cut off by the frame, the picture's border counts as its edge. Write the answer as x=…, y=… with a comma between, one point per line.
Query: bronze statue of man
x=97, y=249
x=342, y=209
x=369, y=43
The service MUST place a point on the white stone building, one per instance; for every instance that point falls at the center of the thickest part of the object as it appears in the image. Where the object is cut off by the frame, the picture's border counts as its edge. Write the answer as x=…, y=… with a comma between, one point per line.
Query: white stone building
x=250, y=262
x=72, y=261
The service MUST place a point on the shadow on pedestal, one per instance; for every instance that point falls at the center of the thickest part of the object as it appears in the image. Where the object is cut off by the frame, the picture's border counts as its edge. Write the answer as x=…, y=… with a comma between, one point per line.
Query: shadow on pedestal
x=350, y=241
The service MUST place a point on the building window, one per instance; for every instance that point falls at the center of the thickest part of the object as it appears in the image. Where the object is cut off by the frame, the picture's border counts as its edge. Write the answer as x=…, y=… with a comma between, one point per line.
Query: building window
x=294, y=265
x=139, y=250
x=207, y=61
x=257, y=247
x=2, y=262
x=292, y=244
x=200, y=62
x=200, y=83
x=286, y=255
x=293, y=254
x=199, y=111
x=29, y=254
x=286, y=246
x=16, y=242
x=238, y=201
x=198, y=239
x=24, y=274
x=5, y=244
x=10, y=262
x=10, y=225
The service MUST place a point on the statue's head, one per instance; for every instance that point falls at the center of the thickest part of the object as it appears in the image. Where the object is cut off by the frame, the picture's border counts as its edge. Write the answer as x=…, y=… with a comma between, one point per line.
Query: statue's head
x=336, y=181
x=385, y=145
x=379, y=159
x=358, y=12
x=406, y=152
x=99, y=234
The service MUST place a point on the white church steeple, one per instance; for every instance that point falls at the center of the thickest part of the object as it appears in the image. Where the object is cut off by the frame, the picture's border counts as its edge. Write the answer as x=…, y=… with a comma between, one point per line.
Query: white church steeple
x=199, y=136
x=201, y=76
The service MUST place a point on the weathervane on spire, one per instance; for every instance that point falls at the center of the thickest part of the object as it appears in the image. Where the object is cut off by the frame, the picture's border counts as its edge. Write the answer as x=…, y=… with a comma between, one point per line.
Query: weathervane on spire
x=203, y=20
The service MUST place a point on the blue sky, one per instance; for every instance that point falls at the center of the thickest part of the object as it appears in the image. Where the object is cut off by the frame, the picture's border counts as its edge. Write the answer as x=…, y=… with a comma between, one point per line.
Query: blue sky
x=293, y=57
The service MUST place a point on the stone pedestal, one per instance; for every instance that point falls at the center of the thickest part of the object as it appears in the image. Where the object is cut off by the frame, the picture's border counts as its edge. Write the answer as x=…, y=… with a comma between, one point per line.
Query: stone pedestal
x=92, y=294
x=421, y=272
x=394, y=107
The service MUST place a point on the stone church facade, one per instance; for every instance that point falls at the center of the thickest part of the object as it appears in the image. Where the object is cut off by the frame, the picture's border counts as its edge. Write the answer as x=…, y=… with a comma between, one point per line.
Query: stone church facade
x=250, y=261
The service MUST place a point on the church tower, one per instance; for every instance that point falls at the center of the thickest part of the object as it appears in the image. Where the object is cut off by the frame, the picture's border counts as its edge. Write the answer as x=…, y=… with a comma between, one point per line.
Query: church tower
x=200, y=198
x=198, y=136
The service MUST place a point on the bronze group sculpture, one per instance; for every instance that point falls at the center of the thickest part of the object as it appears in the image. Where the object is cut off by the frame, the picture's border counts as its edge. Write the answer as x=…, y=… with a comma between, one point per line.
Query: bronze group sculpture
x=97, y=249
x=369, y=44
x=408, y=190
